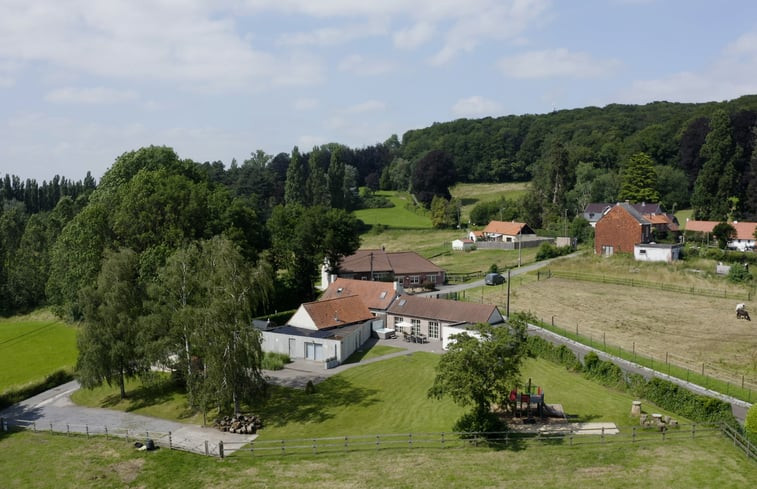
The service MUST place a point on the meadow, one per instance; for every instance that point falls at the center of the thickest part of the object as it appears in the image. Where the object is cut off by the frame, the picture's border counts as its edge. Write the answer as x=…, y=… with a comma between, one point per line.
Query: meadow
x=389, y=397
x=33, y=347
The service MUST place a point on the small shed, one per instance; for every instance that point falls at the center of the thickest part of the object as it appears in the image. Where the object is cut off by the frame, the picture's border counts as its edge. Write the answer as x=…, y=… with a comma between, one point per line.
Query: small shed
x=462, y=244
x=657, y=252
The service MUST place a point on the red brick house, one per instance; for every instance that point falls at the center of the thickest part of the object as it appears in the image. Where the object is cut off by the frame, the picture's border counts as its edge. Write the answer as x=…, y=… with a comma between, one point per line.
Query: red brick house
x=619, y=229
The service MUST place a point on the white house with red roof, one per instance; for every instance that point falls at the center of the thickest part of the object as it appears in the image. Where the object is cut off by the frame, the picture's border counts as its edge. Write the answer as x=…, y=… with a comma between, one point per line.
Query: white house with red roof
x=326, y=331
x=743, y=241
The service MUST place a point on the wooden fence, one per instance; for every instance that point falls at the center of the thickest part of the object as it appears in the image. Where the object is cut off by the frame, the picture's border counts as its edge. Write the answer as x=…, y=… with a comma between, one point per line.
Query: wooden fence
x=555, y=435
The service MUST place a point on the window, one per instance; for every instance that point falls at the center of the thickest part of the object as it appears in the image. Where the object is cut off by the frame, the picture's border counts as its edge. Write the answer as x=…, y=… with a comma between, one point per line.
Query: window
x=415, y=326
x=415, y=279
x=397, y=320
x=431, y=278
x=433, y=329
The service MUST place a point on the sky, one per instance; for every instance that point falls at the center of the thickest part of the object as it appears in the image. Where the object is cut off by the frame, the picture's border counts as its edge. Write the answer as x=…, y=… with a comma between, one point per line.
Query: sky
x=82, y=82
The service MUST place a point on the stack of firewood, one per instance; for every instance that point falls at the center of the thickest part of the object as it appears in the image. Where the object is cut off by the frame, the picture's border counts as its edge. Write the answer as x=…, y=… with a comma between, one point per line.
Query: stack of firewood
x=239, y=424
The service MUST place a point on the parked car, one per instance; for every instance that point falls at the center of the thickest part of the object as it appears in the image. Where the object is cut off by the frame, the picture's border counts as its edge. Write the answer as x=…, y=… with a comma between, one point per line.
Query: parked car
x=494, y=279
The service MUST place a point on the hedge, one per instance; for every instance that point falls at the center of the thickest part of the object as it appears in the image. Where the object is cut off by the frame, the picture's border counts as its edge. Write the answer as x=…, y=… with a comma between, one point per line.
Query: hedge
x=55, y=379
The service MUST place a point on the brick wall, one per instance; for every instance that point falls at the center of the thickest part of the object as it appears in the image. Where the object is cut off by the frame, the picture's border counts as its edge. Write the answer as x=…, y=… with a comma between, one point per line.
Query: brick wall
x=620, y=230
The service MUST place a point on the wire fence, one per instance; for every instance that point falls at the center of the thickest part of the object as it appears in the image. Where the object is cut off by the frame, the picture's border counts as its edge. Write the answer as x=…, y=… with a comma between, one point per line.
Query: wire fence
x=708, y=375
x=709, y=292
x=567, y=435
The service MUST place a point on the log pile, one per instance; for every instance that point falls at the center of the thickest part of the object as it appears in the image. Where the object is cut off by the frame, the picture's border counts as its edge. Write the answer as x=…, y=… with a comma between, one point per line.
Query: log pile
x=240, y=423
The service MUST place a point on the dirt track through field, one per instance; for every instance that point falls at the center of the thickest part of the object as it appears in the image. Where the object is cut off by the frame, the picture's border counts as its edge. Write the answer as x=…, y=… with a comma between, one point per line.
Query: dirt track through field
x=689, y=329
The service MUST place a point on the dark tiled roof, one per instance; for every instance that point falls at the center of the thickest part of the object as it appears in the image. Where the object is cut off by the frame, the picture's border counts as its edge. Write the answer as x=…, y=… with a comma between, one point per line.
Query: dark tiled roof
x=399, y=263
x=334, y=333
x=442, y=309
x=375, y=295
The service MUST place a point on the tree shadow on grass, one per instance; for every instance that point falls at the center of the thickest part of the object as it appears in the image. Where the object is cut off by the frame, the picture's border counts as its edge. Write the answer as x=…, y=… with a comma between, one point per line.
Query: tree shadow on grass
x=287, y=405
x=151, y=393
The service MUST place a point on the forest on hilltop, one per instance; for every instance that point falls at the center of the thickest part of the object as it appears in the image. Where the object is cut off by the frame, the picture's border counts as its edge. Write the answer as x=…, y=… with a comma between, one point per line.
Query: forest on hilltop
x=286, y=213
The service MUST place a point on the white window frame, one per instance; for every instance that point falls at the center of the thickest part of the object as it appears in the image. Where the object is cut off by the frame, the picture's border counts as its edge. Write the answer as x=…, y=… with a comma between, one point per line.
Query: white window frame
x=434, y=329
x=415, y=327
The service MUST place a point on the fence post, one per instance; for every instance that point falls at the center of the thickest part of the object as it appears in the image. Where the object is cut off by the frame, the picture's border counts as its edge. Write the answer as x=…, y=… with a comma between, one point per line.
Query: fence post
x=207, y=453
x=442, y=439
x=34, y=426
x=346, y=443
x=693, y=429
x=170, y=441
x=315, y=447
x=68, y=430
x=127, y=435
x=220, y=448
x=283, y=448
x=51, y=428
x=410, y=439
x=378, y=441
x=603, y=435
x=86, y=428
x=633, y=435
x=106, y=433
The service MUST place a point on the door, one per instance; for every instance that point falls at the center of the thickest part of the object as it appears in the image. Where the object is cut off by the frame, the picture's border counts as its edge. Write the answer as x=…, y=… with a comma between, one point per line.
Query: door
x=310, y=351
x=318, y=352
x=292, y=347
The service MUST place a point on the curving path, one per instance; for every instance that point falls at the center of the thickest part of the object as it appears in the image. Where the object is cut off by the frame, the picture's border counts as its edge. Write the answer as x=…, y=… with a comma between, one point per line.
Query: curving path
x=54, y=407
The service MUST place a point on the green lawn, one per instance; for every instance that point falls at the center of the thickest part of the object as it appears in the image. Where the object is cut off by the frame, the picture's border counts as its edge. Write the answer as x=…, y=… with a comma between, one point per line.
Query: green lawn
x=374, y=351
x=159, y=399
x=473, y=193
x=31, y=349
x=44, y=461
x=398, y=216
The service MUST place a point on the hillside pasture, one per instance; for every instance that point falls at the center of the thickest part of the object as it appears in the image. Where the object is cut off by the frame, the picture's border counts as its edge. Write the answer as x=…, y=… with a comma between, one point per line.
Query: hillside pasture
x=399, y=216
x=471, y=194
x=32, y=348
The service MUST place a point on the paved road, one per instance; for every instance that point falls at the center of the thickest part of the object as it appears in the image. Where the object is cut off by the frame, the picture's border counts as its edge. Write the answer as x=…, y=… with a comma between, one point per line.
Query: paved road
x=55, y=407
x=514, y=272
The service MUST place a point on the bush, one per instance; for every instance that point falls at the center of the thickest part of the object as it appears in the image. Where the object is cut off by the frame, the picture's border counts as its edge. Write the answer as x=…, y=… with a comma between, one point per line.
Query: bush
x=55, y=379
x=275, y=361
x=739, y=274
x=480, y=421
x=604, y=372
x=697, y=408
x=548, y=250
x=562, y=355
x=751, y=422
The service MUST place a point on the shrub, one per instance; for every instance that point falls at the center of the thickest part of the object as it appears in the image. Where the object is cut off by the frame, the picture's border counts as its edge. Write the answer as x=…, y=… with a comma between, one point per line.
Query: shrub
x=548, y=250
x=604, y=372
x=480, y=421
x=562, y=355
x=751, y=422
x=275, y=361
x=55, y=379
x=739, y=274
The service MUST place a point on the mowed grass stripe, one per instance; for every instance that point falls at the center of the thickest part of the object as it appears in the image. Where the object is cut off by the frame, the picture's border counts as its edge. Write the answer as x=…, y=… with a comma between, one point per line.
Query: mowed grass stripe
x=31, y=350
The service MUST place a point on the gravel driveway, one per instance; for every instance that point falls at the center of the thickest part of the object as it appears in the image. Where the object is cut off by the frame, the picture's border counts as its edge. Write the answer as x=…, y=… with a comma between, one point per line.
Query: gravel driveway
x=54, y=407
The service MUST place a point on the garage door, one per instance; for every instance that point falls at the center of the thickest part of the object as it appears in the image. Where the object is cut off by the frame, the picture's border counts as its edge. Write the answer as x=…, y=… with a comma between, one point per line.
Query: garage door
x=314, y=351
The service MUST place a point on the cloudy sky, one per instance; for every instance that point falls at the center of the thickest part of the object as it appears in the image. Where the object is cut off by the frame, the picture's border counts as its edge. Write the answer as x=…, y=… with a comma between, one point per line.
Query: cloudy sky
x=82, y=81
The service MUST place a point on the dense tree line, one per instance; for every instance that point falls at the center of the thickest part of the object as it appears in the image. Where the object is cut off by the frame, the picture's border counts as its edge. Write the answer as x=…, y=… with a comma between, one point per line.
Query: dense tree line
x=53, y=236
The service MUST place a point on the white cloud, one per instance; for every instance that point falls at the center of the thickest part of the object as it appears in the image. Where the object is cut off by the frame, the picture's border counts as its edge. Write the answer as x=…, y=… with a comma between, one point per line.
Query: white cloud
x=191, y=44
x=412, y=37
x=96, y=95
x=556, y=63
x=358, y=65
x=732, y=75
x=476, y=106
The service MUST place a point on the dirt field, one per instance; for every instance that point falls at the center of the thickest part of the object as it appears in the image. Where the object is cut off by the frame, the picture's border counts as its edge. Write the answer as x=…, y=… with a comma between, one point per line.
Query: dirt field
x=690, y=329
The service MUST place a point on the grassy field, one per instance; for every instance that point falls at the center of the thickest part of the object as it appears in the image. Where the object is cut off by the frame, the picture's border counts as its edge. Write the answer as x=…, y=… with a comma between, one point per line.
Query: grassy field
x=471, y=194
x=42, y=461
x=33, y=347
x=690, y=329
x=398, y=216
